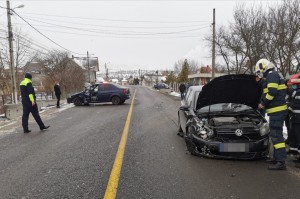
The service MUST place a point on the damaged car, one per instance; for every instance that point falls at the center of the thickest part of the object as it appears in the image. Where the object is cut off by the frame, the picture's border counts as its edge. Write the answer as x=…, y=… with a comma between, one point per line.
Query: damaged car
x=221, y=119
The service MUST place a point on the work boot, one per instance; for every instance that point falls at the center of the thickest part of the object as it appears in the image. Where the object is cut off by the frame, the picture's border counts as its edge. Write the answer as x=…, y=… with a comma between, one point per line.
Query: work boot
x=271, y=161
x=27, y=131
x=277, y=166
x=45, y=127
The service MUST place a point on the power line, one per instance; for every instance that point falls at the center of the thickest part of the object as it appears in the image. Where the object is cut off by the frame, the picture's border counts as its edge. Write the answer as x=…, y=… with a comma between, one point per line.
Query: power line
x=122, y=27
x=128, y=32
x=114, y=36
x=116, y=20
x=38, y=44
x=45, y=35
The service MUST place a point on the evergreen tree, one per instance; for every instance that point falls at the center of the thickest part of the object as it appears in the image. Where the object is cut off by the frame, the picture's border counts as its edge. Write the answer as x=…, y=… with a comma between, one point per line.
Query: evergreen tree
x=183, y=75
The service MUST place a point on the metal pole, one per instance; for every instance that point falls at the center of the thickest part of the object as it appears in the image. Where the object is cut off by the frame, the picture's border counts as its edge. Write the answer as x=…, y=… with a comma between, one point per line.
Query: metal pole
x=88, y=64
x=11, y=53
x=214, y=45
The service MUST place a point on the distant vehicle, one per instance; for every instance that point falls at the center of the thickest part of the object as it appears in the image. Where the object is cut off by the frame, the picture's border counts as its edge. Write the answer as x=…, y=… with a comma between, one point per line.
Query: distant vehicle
x=99, y=93
x=161, y=86
x=221, y=119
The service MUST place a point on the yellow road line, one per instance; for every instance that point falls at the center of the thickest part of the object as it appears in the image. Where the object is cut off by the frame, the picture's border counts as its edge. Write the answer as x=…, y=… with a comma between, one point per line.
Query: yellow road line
x=112, y=186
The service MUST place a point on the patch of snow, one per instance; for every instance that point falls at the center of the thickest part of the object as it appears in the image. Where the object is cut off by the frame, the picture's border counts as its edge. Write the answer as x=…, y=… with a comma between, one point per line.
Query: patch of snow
x=175, y=94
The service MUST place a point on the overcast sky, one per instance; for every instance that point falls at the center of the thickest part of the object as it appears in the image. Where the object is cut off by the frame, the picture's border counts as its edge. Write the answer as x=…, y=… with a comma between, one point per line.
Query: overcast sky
x=125, y=34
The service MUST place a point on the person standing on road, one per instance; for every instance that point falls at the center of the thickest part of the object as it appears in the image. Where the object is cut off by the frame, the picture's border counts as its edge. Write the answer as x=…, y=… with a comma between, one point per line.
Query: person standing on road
x=57, y=94
x=294, y=116
x=29, y=104
x=182, y=90
x=275, y=104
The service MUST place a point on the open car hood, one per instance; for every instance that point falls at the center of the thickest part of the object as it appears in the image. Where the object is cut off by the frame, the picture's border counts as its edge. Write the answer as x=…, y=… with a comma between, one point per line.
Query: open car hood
x=239, y=89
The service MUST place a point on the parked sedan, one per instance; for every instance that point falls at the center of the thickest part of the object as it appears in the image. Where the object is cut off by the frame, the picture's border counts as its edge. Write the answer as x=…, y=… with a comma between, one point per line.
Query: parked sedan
x=221, y=119
x=161, y=86
x=99, y=93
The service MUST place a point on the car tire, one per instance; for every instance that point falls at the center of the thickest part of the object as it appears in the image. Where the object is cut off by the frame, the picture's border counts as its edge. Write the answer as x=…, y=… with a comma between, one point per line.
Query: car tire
x=77, y=102
x=179, y=125
x=115, y=100
x=190, y=145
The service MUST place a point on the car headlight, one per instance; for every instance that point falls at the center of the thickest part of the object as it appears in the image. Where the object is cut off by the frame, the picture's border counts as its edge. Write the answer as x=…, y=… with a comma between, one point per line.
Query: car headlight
x=204, y=132
x=264, y=129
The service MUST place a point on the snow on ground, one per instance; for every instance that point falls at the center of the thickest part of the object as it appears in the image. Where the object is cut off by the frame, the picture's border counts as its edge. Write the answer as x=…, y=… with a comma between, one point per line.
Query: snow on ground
x=175, y=94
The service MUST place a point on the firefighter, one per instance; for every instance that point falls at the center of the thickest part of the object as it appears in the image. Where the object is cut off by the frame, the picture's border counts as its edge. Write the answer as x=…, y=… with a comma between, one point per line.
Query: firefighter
x=275, y=104
x=29, y=104
x=294, y=115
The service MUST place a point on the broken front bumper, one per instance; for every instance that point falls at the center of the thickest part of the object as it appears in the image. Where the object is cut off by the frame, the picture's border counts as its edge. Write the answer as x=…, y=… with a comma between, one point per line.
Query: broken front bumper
x=232, y=149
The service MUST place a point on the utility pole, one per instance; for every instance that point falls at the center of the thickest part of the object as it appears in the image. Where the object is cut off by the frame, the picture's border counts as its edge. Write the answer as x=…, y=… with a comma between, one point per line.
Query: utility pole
x=11, y=53
x=106, y=72
x=88, y=65
x=213, y=45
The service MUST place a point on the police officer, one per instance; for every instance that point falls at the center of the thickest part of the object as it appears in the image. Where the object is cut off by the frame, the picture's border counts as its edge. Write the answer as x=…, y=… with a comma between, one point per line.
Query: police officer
x=275, y=104
x=294, y=116
x=29, y=104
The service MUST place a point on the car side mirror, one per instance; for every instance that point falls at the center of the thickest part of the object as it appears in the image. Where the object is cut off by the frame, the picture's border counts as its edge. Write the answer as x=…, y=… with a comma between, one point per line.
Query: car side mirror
x=185, y=108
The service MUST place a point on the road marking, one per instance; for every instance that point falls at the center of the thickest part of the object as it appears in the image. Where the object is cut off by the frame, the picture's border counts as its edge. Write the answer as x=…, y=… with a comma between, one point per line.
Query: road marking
x=112, y=186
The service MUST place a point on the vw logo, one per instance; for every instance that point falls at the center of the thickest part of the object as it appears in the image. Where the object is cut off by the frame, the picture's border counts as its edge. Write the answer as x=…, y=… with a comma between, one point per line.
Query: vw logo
x=239, y=132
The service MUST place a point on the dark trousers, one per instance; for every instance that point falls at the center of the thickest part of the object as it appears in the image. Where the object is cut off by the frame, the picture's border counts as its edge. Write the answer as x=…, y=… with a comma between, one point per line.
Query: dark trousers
x=294, y=140
x=58, y=99
x=27, y=109
x=182, y=94
x=276, y=134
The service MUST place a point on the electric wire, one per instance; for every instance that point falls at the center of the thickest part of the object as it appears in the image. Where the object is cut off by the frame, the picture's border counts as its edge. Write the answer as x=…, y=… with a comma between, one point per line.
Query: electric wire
x=130, y=32
x=114, y=36
x=45, y=35
x=121, y=27
x=116, y=20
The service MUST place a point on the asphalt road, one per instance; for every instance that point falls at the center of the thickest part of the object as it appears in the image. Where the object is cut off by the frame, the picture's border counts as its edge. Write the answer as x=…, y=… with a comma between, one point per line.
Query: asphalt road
x=74, y=158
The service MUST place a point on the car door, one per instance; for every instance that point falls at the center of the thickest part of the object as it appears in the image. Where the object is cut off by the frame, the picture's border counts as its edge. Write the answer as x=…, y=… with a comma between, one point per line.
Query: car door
x=184, y=113
x=104, y=92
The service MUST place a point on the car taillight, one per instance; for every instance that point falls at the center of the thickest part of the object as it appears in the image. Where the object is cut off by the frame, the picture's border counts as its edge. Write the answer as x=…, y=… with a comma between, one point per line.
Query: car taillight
x=125, y=91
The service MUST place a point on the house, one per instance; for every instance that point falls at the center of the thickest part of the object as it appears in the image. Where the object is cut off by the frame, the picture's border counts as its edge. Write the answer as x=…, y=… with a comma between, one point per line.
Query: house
x=203, y=76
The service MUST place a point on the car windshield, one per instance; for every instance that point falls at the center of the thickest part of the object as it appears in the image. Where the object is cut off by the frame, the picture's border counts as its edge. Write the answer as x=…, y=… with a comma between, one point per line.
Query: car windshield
x=224, y=107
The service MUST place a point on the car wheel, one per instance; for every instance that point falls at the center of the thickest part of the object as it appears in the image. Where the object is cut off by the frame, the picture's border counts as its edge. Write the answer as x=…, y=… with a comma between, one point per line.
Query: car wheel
x=190, y=145
x=77, y=102
x=179, y=125
x=115, y=100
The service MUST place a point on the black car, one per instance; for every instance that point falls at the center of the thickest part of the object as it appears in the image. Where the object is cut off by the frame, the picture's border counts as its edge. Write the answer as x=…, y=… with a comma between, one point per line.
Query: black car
x=101, y=92
x=161, y=86
x=221, y=119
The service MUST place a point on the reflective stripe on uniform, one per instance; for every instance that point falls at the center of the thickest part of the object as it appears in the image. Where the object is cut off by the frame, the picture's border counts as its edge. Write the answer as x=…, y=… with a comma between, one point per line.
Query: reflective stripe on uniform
x=277, y=109
x=269, y=97
x=31, y=98
x=266, y=90
x=25, y=82
x=279, y=145
x=272, y=85
x=282, y=87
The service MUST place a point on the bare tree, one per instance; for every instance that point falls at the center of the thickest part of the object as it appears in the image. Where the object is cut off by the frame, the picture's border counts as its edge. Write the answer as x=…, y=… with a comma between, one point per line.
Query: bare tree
x=59, y=67
x=283, y=35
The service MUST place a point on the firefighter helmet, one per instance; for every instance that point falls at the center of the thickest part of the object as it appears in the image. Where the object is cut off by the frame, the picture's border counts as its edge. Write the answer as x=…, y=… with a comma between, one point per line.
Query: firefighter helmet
x=295, y=79
x=263, y=65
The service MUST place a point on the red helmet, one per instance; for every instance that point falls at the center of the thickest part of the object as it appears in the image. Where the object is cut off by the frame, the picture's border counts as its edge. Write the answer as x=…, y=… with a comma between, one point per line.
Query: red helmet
x=295, y=79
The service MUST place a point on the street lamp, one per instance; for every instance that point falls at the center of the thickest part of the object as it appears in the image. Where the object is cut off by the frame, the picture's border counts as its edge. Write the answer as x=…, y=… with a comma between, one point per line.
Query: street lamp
x=11, y=51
